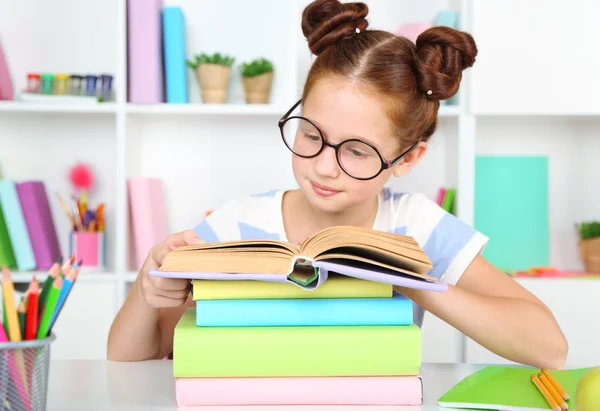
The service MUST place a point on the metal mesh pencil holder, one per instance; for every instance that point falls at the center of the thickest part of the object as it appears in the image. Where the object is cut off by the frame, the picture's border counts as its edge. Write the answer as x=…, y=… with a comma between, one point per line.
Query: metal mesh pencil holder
x=24, y=370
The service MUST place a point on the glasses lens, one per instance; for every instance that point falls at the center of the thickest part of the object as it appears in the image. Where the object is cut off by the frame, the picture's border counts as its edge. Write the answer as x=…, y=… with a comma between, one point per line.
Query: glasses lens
x=302, y=137
x=360, y=160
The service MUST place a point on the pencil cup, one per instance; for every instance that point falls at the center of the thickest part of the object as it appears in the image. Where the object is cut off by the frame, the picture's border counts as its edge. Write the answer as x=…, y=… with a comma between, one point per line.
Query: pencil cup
x=90, y=247
x=24, y=371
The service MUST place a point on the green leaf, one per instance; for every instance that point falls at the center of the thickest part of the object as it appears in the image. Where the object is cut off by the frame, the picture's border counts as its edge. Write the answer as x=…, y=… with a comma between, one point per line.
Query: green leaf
x=589, y=229
x=216, y=58
x=256, y=67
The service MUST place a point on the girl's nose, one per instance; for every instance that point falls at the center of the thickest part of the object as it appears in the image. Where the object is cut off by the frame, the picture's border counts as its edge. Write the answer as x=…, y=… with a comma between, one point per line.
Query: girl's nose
x=326, y=164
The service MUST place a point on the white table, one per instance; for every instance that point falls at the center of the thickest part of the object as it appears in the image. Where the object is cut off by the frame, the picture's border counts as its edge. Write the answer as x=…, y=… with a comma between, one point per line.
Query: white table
x=105, y=385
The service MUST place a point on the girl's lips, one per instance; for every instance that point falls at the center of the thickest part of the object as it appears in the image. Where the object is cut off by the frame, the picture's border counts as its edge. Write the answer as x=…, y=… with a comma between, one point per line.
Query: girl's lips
x=324, y=191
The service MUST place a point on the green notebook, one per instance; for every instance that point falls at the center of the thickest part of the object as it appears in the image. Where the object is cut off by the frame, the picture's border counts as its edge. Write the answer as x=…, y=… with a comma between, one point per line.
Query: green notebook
x=294, y=351
x=7, y=256
x=507, y=388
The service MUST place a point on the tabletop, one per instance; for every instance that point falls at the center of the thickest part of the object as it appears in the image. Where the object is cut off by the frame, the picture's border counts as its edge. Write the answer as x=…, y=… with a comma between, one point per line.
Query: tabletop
x=149, y=385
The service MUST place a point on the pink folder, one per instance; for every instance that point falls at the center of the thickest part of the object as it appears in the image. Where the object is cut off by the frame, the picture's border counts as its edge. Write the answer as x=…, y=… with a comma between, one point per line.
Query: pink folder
x=6, y=86
x=144, y=47
x=148, y=215
x=394, y=390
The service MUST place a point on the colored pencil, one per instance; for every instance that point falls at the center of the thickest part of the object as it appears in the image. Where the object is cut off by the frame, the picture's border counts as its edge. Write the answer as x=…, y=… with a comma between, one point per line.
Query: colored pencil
x=53, y=294
x=561, y=390
x=31, y=317
x=52, y=274
x=68, y=281
x=559, y=400
x=21, y=313
x=547, y=396
x=8, y=293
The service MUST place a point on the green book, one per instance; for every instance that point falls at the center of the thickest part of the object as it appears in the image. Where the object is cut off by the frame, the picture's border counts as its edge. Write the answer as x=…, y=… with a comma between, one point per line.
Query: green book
x=508, y=388
x=294, y=351
x=7, y=256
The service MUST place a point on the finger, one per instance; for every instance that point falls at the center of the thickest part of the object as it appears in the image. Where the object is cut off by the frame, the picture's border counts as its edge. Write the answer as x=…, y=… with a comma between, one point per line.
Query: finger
x=175, y=294
x=170, y=284
x=187, y=237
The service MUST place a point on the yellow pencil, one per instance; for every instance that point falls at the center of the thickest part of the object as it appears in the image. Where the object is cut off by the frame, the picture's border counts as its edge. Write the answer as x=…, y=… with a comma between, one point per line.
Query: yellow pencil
x=559, y=400
x=556, y=385
x=549, y=399
x=12, y=318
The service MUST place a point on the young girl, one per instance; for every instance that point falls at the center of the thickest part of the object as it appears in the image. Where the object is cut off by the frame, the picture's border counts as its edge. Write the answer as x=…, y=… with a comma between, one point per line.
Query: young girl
x=368, y=109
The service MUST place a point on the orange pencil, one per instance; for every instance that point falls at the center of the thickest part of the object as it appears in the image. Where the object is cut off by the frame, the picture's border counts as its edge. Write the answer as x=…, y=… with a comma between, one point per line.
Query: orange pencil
x=31, y=317
x=556, y=385
x=553, y=391
x=549, y=399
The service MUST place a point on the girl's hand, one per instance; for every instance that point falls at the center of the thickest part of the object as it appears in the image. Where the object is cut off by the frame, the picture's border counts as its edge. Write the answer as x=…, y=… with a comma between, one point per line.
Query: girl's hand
x=165, y=292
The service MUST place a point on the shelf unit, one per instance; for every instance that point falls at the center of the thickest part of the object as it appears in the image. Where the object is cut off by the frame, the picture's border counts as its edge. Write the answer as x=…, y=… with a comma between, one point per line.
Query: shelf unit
x=185, y=144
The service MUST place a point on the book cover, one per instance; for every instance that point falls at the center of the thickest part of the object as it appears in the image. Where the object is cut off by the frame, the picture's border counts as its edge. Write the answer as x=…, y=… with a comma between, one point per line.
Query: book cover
x=376, y=390
x=7, y=256
x=336, y=286
x=16, y=227
x=507, y=388
x=39, y=222
x=144, y=52
x=294, y=351
x=397, y=310
x=174, y=50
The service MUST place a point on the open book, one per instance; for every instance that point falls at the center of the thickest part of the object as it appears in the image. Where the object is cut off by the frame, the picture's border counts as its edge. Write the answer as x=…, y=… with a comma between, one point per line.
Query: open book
x=353, y=251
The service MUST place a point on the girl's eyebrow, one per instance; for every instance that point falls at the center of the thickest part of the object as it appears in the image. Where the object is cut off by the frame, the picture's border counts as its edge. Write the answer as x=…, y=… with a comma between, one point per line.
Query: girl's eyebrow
x=320, y=127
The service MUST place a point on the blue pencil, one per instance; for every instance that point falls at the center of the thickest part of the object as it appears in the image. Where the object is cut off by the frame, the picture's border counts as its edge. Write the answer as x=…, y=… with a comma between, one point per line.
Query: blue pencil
x=69, y=279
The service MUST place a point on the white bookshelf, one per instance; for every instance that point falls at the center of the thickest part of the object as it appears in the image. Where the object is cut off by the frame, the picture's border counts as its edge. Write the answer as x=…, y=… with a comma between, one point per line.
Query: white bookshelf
x=187, y=145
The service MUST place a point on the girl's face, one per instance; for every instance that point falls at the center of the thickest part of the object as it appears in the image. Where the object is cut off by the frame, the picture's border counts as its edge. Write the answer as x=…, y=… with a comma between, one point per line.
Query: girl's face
x=341, y=112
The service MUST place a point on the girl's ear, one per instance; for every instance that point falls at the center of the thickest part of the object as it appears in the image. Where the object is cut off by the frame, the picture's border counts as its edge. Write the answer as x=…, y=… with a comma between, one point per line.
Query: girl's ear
x=410, y=160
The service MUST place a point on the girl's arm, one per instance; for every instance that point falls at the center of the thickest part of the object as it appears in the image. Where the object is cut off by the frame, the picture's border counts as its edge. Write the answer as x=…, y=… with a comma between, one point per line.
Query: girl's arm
x=143, y=328
x=492, y=309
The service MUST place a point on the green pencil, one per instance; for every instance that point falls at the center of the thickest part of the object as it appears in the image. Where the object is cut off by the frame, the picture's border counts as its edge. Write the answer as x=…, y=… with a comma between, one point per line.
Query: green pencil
x=49, y=308
x=53, y=273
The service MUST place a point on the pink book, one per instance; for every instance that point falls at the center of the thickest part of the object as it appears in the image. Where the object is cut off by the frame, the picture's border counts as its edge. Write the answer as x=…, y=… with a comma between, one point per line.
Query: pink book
x=144, y=45
x=387, y=390
x=148, y=215
x=439, y=200
x=6, y=86
x=412, y=30
x=39, y=222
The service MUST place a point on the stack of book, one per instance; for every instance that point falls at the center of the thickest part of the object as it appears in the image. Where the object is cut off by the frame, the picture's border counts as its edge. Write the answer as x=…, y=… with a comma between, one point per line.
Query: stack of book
x=317, y=325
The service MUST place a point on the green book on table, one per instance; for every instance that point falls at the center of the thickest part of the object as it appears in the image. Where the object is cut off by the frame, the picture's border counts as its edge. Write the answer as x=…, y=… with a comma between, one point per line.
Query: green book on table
x=507, y=389
x=294, y=351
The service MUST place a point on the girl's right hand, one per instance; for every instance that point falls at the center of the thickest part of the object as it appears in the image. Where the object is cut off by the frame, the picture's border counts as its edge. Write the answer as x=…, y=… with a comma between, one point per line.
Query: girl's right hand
x=161, y=292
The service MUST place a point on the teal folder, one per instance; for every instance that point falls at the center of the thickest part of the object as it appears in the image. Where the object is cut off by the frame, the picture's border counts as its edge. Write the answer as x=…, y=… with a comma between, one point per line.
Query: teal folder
x=174, y=49
x=511, y=208
x=397, y=310
x=15, y=224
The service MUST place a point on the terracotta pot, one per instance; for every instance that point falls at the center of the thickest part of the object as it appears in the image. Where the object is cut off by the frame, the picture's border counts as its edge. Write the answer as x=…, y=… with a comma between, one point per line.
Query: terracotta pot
x=257, y=89
x=590, y=254
x=214, y=82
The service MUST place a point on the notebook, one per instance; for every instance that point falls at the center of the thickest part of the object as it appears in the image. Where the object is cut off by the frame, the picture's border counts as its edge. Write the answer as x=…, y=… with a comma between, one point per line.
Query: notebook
x=508, y=389
x=512, y=209
x=337, y=286
x=387, y=390
x=16, y=227
x=353, y=251
x=294, y=351
x=290, y=312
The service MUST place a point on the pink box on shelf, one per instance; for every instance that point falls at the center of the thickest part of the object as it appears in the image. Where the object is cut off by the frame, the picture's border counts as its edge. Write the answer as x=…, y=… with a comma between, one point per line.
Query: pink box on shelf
x=90, y=247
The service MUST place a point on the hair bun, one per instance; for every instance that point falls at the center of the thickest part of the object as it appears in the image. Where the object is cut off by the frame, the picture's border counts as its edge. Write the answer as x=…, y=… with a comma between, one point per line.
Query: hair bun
x=442, y=55
x=325, y=22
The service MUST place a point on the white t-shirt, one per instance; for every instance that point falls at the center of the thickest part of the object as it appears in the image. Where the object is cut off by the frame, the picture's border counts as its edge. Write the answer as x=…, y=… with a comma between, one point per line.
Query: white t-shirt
x=449, y=243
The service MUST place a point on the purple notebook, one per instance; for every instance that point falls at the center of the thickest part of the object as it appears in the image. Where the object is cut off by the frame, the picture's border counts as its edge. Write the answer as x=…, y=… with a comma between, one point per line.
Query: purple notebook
x=39, y=222
x=322, y=269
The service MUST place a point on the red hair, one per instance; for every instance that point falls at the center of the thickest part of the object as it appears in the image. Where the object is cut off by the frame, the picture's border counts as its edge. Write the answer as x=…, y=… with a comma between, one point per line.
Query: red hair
x=410, y=78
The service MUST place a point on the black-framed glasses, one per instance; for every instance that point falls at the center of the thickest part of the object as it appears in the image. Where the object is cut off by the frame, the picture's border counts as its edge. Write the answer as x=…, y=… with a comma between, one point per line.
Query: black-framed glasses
x=357, y=158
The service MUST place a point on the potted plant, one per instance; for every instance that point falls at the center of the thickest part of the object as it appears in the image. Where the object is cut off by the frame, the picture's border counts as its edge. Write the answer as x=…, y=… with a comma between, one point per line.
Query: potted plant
x=257, y=77
x=213, y=73
x=589, y=245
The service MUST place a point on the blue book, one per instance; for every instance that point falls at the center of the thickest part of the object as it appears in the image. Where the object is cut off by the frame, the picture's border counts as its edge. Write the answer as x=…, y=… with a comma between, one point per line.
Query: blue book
x=397, y=310
x=174, y=55
x=16, y=227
